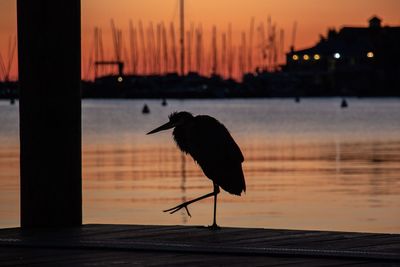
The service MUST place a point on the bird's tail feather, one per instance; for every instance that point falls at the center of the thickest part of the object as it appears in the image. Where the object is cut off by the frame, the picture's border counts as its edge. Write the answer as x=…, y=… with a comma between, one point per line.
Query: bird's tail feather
x=232, y=180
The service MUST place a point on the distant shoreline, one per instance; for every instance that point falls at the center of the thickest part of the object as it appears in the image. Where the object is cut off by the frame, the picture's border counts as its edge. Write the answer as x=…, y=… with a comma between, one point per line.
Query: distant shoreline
x=271, y=86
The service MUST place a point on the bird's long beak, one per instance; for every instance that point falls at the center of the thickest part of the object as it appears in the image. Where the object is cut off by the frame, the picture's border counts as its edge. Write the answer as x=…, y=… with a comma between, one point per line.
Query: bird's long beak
x=163, y=127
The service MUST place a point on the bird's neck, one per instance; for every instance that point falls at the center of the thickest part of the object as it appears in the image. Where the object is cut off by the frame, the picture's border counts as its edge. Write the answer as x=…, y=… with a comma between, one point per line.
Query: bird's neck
x=180, y=137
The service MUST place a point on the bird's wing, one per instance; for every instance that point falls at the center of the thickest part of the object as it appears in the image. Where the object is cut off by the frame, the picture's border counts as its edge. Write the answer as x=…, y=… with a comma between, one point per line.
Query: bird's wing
x=214, y=149
x=210, y=140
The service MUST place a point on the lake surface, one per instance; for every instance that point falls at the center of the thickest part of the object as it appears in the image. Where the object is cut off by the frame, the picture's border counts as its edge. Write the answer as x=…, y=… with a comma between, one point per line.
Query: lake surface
x=308, y=165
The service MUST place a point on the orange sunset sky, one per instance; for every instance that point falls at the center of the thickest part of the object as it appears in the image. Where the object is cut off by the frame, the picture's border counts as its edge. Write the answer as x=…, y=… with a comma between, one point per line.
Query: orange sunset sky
x=313, y=17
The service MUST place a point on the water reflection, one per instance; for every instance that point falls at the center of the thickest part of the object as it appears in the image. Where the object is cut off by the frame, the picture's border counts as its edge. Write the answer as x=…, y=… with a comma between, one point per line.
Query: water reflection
x=352, y=183
x=309, y=165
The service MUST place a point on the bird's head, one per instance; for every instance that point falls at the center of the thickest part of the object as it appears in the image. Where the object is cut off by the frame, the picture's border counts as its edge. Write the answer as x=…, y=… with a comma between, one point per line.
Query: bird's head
x=175, y=119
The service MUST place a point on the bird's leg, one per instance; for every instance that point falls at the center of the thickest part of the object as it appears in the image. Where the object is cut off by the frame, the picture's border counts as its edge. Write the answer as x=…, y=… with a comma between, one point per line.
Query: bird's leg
x=187, y=203
x=214, y=226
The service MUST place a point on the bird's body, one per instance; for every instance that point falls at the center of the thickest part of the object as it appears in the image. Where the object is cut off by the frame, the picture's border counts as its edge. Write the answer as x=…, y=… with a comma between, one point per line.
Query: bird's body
x=213, y=148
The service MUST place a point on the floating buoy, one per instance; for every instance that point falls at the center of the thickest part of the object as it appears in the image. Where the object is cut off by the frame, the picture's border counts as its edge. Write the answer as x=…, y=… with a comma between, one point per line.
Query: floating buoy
x=344, y=103
x=145, y=109
x=164, y=102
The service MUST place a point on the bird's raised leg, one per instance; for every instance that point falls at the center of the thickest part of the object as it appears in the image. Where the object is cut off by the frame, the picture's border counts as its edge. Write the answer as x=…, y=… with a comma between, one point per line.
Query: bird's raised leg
x=187, y=203
x=214, y=226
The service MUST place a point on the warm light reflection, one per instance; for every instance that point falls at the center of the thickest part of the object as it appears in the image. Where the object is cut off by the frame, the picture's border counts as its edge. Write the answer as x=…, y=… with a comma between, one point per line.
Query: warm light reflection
x=145, y=178
x=299, y=163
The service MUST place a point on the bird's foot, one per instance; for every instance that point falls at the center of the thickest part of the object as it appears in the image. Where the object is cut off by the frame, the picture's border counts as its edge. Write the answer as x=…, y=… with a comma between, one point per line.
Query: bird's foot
x=187, y=203
x=214, y=227
x=176, y=208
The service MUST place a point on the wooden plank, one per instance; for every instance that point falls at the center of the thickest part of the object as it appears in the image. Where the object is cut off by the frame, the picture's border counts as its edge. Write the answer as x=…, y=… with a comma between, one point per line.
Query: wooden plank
x=51, y=257
x=147, y=232
x=209, y=249
x=317, y=246
x=195, y=235
x=358, y=242
x=281, y=238
x=391, y=247
x=326, y=240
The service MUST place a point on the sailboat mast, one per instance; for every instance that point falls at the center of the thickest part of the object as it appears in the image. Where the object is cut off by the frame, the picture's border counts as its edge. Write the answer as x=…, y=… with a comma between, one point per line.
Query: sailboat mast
x=182, y=37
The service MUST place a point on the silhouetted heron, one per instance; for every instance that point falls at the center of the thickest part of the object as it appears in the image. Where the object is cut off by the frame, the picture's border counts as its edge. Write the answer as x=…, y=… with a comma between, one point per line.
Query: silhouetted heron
x=213, y=148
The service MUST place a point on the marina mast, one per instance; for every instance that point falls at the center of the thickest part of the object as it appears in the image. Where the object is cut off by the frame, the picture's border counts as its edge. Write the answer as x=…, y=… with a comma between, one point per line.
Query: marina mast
x=182, y=40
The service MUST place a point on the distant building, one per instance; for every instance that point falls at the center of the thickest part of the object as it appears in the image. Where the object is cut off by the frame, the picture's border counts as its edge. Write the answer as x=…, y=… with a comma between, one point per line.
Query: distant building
x=361, y=59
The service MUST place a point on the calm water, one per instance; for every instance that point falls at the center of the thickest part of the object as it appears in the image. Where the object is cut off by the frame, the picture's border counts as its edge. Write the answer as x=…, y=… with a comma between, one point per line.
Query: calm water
x=309, y=165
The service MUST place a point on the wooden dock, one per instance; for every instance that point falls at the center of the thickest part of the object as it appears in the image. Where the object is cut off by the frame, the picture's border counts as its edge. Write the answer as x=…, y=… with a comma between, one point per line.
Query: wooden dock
x=147, y=245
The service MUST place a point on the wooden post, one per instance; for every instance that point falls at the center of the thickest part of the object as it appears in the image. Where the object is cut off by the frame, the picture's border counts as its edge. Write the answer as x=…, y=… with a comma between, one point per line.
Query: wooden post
x=49, y=52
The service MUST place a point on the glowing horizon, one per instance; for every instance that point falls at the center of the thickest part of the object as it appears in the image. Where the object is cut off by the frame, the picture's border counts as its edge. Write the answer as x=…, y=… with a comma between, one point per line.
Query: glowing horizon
x=312, y=18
